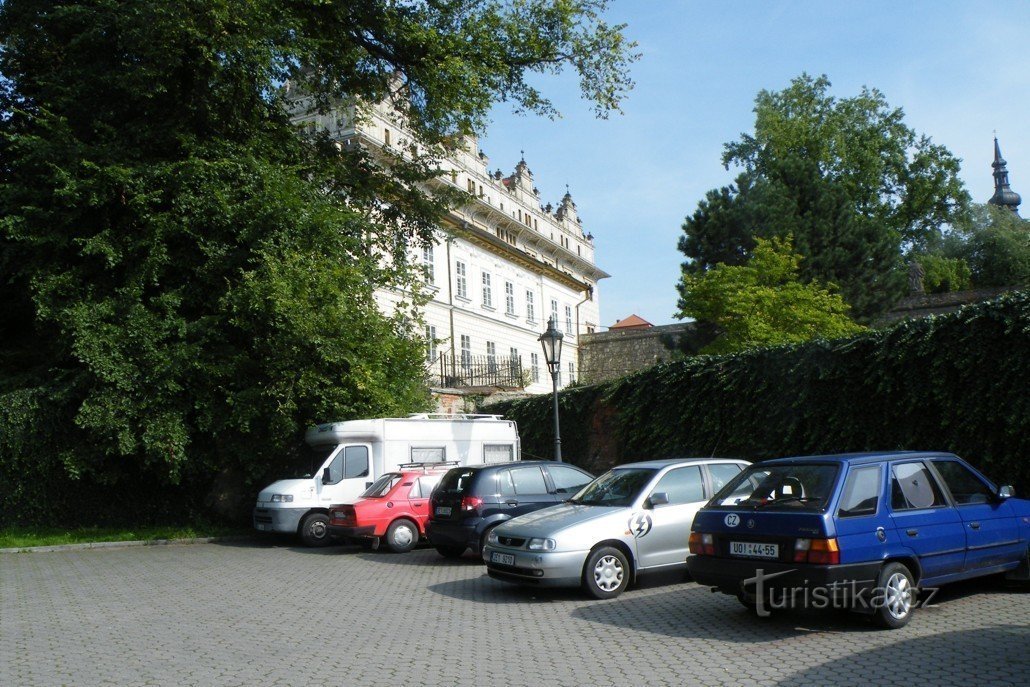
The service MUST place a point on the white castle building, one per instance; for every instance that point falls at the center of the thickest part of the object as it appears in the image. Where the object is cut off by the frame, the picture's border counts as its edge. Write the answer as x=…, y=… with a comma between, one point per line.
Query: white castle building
x=499, y=268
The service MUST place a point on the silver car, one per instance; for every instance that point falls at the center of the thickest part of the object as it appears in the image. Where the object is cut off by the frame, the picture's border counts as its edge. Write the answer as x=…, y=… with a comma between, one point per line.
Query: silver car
x=631, y=520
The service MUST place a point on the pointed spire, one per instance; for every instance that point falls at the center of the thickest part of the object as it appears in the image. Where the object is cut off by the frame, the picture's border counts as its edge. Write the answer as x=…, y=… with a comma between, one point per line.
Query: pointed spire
x=1003, y=195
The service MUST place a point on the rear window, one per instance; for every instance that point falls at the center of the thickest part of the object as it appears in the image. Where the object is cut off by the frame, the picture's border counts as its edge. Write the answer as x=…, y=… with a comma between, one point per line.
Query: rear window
x=800, y=486
x=457, y=481
x=381, y=486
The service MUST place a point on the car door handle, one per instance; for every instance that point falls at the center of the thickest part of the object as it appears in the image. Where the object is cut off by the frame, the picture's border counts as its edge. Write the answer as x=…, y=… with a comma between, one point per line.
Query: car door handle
x=512, y=502
x=975, y=525
x=911, y=533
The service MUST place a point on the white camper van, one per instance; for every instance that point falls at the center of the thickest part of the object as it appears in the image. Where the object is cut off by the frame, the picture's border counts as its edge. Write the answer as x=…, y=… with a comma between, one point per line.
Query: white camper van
x=355, y=453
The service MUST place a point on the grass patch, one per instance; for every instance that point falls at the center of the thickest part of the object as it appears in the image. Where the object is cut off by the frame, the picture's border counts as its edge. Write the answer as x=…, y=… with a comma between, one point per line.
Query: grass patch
x=17, y=537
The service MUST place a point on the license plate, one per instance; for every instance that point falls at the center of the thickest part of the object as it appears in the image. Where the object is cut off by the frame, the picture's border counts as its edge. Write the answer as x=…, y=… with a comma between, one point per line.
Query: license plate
x=443, y=510
x=753, y=550
x=502, y=558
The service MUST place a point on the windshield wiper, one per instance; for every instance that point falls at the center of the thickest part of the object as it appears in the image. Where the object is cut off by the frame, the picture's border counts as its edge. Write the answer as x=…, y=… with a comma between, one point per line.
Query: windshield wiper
x=787, y=499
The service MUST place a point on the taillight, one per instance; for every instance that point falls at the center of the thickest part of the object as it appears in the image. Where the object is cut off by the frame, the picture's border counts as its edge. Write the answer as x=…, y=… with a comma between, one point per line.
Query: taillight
x=701, y=544
x=471, y=502
x=343, y=513
x=818, y=551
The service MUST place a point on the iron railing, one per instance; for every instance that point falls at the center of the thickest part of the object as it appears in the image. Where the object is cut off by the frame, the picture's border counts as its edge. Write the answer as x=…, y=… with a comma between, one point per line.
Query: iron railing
x=476, y=371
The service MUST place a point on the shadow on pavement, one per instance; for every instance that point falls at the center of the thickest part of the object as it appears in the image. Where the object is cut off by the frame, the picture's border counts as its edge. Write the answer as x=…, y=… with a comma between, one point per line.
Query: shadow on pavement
x=984, y=656
x=482, y=589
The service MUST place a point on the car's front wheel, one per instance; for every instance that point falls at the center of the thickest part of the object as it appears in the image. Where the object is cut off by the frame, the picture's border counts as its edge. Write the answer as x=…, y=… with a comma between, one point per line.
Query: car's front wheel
x=401, y=536
x=314, y=530
x=606, y=574
x=896, y=590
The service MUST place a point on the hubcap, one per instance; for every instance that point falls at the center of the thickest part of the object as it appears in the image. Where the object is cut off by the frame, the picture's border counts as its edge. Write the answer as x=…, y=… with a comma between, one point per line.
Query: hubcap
x=608, y=573
x=403, y=535
x=317, y=529
x=898, y=596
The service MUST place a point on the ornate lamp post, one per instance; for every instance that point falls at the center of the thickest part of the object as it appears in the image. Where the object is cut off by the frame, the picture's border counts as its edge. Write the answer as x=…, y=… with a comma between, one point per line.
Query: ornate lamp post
x=551, y=342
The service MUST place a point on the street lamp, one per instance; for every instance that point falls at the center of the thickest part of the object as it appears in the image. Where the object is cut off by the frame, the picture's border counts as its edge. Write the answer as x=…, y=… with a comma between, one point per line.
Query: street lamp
x=551, y=342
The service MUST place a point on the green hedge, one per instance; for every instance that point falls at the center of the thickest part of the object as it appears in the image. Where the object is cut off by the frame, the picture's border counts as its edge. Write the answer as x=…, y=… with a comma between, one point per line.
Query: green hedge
x=959, y=383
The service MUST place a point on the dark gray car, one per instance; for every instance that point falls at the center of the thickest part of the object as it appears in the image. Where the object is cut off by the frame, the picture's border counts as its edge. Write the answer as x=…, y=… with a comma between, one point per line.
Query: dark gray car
x=472, y=500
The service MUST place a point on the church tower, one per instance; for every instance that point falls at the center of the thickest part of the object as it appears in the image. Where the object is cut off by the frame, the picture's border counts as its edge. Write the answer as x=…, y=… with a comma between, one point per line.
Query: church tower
x=1003, y=195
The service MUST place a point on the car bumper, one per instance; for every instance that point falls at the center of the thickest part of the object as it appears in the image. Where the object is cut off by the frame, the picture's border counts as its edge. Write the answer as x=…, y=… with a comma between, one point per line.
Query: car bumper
x=277, y=519
x=539, y=568
x=353, y=532
x=453, y=534
x=749, y=577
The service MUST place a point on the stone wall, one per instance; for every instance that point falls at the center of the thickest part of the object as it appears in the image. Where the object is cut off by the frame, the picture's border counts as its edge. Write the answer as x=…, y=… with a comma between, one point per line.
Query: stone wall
x=614, y=354
x=926, y=304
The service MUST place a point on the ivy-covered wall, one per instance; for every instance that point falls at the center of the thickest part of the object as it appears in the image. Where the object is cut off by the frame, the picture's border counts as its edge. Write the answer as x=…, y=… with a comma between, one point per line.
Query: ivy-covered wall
x=959, y=383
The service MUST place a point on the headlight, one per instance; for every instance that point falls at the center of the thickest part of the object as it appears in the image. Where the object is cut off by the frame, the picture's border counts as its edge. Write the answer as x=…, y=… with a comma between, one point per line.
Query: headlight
x=491, y=538
x=282, y=498
x=537, y=544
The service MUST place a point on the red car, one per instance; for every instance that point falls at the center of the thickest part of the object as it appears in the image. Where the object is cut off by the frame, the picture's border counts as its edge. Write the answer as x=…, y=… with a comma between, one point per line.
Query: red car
x=394, y=508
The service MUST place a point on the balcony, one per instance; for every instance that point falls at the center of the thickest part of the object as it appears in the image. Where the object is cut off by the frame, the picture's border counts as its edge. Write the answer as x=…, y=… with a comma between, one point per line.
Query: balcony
x=477, y=371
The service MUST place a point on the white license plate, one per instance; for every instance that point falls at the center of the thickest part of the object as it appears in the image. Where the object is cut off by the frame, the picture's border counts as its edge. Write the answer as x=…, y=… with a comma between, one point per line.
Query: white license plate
x=443, y=510
x=753, y=550
x=502, y=558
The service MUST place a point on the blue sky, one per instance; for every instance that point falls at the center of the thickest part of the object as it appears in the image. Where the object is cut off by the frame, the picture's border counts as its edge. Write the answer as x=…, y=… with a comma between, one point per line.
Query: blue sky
x=960, y=70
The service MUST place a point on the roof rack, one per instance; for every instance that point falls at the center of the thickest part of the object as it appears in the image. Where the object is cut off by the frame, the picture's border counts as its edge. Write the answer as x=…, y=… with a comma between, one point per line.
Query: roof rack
x=427, y=464
x=453, y=416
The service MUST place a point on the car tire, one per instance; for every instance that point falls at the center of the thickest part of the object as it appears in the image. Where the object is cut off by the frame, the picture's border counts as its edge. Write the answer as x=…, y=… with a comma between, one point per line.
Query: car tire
x=314, y=529
x=896, y=592
x=451, y=552
x=401, y=536
x=606, y=573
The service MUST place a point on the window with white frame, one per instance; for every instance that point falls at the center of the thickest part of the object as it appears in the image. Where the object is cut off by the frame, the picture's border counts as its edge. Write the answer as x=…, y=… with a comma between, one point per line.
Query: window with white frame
x=509, y=298
x=572, y=372
x=427, y=264
x=466, y=351
x=431, y=352
x=554, y=312
x=530, y=309
x=491, y=356
x=461, y=286
x=568, y=319
x=488, y=297
x=534, y=365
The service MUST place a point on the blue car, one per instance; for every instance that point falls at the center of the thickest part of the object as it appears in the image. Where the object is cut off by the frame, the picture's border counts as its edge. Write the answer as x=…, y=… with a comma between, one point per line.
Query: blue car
x=874, y=532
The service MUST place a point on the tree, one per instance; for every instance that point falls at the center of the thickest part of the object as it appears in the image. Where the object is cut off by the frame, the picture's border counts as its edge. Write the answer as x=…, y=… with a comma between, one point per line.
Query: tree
x=846, y=177
x=763, y=303
x=995, y=243
x=190, y=280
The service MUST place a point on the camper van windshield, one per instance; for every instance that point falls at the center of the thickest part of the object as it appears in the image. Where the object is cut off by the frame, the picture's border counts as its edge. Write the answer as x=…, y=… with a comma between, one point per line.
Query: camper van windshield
x=316, y=457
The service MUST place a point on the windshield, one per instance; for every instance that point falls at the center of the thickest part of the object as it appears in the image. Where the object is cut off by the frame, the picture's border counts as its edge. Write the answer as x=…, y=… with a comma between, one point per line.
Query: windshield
x=618, y=487
x=774, y=487
x=315, y=457
x=381, y=486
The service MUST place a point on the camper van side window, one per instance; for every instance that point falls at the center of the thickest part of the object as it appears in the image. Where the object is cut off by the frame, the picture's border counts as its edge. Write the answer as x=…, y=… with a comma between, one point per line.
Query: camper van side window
x=498, y=453
x=435, y=454
x=355, y=462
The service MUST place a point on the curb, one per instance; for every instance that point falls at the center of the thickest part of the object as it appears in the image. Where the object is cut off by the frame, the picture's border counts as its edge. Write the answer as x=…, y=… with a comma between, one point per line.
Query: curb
x=122, y=544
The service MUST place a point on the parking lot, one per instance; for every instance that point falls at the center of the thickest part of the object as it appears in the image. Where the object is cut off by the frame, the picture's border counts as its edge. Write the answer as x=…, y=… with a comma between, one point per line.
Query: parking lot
x=269, y=613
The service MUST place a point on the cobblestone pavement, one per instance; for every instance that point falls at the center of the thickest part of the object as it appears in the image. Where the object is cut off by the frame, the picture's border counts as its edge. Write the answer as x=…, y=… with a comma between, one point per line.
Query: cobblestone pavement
x=269, y=613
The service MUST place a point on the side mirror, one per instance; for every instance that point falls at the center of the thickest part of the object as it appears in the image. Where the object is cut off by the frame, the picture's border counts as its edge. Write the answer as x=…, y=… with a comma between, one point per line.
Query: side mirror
x=1006, y=492
x=327, y=476
x=659, y=498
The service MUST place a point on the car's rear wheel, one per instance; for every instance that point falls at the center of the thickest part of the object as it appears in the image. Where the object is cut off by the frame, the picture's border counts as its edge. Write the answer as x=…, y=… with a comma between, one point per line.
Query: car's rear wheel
x=314, y=530
x=451, y=551
x=606, y=574
x=401, y=536
x=897, y=592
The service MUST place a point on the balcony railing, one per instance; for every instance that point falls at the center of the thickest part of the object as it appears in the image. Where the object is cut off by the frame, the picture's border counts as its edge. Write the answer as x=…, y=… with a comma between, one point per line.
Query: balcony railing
x=477, y=371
